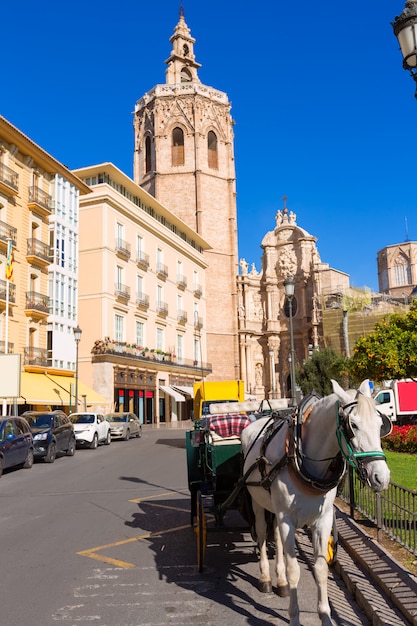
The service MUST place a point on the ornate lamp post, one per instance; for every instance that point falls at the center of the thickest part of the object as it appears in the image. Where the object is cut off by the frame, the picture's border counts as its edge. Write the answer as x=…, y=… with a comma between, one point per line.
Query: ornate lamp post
x=289, y=286
x=77, y=337
x=405, y=29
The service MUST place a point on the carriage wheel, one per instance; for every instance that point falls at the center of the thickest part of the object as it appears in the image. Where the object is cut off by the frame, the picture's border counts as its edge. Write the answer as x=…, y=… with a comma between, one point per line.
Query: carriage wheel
x=201, y=531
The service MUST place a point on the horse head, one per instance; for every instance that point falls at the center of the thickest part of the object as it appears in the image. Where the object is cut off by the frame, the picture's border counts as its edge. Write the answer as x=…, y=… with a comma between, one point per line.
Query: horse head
x=359, y=431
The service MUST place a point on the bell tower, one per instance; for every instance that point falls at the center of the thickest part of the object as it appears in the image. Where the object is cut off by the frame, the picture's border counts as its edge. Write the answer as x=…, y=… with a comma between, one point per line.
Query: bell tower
x=184, y=157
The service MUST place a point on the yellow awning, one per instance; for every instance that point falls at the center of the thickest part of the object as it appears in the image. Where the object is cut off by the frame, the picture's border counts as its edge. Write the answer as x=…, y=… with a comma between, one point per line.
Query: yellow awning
x=56, y=390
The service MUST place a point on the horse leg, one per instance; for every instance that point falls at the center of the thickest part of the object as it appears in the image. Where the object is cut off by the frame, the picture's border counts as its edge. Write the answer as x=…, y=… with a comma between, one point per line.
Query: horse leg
x=265, y=583
x=320, y=538
x=287, y=532
x=282, y=584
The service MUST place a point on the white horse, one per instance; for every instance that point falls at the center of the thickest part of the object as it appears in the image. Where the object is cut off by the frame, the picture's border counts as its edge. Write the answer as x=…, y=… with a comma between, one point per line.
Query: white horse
x=296, y=477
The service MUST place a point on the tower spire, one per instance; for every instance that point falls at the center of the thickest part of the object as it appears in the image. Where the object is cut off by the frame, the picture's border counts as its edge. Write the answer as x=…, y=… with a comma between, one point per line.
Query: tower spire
x=182, y=66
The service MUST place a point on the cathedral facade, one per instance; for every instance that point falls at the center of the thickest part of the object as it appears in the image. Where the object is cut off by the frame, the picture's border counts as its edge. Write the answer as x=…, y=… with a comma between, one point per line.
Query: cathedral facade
x=184, y=157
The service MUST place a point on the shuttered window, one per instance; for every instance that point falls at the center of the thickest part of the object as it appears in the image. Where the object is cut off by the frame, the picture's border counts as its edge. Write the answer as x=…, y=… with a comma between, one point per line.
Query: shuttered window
x=177, y=147
x=212, y=150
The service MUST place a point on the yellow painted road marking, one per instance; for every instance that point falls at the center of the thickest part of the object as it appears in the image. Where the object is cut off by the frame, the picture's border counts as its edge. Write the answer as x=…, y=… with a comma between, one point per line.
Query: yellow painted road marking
x=92, y=552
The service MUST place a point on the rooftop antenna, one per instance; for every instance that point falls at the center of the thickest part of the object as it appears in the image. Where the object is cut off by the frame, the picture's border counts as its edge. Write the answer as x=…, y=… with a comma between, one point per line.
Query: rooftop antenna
x=406, y=230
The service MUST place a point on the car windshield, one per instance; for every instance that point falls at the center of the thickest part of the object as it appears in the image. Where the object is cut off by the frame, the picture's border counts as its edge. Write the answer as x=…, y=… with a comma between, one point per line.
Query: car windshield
x=116, y=417
x=82, y=418
x=39, y=421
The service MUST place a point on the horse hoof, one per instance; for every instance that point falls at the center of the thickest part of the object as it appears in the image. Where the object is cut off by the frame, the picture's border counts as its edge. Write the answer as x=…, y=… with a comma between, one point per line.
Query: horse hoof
x=283, y=591
x=265, y=587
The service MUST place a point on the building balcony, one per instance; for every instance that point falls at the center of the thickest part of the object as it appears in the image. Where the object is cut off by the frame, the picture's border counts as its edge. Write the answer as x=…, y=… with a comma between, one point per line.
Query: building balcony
x=7, y=232
x=181, y=281
x=142, y=301
x=122, y=292
x=142, y=260
x=35, y=356
x=182, y=317
x=39, y=201
x=162, y=271
x=9, y=181
x=38, y=253
x=37, y=305
x=198, y=291
x=122, y=249
x=162, y=309
x=4, y=285
x=198, y=322
x=10, y=347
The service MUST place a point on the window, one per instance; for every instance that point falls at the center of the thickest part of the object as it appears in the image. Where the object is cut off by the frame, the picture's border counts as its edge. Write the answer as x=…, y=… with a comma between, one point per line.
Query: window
x=180, y=348
x=185, y=75
x=118, y=328
x=119, y=278
x=140, y=334
x=148, y=159
x=196, y=350
x=139, y=286
x=212, y=150
x=177, y=150
x=402, y=271
x=120, y=235
x=139, y=247
x=160, y=339
x=159, y=296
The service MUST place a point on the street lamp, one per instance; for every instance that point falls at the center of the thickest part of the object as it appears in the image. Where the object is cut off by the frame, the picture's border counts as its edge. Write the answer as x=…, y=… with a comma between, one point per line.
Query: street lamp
x=405, y=29
x=289, y=286
x=77, y=337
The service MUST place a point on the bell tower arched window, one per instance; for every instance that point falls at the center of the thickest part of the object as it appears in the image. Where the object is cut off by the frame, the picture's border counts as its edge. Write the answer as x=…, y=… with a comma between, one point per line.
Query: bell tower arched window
x=185, y=75
x=177, y=154
x=212, y=150
x=148, y=160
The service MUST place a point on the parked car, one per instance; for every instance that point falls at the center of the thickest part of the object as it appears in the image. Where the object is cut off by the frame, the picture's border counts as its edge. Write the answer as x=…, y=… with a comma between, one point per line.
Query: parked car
x=16, y=443
x=90, y=429
x=53, y=433
x=124, y=425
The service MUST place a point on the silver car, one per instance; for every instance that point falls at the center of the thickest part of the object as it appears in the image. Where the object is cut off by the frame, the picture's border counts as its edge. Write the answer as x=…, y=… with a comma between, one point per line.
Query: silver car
x=124, y=425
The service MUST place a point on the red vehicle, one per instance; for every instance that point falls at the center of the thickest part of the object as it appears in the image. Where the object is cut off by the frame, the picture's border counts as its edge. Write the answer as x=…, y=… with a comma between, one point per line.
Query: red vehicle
x=399, y=401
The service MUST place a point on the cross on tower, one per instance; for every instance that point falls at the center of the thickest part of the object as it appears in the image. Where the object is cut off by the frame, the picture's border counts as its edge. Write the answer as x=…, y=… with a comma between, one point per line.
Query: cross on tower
x=285, y=201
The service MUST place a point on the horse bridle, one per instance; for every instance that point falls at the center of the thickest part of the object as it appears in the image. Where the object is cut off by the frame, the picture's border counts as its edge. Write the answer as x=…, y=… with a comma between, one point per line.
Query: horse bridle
x=345, y=434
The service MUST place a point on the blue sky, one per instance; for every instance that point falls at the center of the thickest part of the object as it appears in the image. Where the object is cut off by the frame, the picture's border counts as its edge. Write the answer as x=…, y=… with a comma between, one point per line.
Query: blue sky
x=324, y=112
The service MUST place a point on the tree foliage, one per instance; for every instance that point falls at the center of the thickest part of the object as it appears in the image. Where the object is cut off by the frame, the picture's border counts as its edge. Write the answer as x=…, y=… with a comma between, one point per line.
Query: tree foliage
x=316, y=372
x=390, y=351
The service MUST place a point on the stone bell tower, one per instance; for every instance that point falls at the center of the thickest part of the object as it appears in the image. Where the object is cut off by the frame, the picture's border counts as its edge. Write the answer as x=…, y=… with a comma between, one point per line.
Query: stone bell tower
x=184, y=157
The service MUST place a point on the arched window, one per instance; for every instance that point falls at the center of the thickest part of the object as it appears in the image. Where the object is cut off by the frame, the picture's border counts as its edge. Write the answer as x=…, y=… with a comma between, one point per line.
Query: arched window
x=177, y=148
x=185, y=75
x=185, y=50
x=148, y=160
x=212, y=150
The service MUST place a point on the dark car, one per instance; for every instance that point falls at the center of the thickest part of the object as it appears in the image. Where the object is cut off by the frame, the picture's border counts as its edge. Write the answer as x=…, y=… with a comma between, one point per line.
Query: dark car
x=53, y=433
x=16, y=443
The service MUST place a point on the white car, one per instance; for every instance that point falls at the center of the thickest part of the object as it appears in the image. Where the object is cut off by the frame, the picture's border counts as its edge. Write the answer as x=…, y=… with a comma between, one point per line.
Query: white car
x=90, y=429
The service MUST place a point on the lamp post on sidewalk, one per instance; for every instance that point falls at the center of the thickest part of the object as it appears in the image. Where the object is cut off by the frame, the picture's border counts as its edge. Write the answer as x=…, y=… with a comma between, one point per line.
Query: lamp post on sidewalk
x=289, y=286
x=77, y=337
x=405, y=29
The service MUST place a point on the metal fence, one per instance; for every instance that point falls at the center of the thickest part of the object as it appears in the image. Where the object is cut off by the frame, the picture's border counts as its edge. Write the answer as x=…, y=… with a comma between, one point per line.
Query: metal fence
x=393, y=511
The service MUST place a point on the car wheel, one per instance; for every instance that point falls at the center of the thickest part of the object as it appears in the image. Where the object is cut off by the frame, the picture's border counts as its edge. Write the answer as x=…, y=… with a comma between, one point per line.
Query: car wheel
x=51, y=453
x=127, y=436
x=94, y=443
x=71, y=449
x=29, y=460
x=1, y=465
x=108, y=438
x=139, y=432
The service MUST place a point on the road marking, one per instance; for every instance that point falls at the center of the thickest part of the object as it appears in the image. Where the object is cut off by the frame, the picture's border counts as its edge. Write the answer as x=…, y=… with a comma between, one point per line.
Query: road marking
x=91, y=553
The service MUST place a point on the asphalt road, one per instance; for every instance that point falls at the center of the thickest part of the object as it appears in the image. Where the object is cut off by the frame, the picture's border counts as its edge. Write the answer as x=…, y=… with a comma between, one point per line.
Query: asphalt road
x=104, y=538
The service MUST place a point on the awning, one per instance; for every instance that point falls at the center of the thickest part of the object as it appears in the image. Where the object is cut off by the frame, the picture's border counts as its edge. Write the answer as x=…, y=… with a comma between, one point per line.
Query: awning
x=55, y=390
x=189, y=391
x=171, y=392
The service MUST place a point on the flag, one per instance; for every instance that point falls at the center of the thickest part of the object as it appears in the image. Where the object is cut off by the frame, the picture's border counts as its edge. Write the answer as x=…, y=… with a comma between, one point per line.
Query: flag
x=9, y=262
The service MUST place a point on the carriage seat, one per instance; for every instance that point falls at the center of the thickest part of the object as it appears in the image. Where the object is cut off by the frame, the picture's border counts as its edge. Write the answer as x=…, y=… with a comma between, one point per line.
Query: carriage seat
x=228, y=426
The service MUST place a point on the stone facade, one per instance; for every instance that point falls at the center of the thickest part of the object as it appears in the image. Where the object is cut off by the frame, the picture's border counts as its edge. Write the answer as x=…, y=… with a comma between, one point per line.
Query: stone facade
x=263, y=314
x=184, y=157
x=397, y=269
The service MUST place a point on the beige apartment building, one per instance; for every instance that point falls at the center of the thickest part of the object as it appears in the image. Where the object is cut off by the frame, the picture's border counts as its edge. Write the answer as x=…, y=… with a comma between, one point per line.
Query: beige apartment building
x=38, y=307
x=142, y=299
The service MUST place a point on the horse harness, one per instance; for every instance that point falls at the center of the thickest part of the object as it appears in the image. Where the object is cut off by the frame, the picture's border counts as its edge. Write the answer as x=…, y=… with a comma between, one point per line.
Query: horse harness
x=293, y=419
